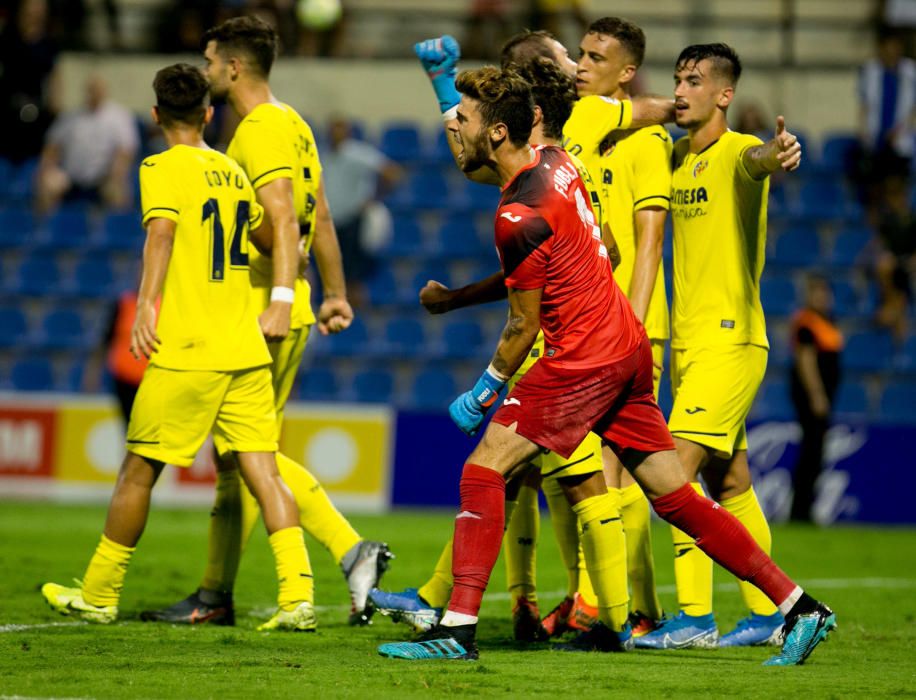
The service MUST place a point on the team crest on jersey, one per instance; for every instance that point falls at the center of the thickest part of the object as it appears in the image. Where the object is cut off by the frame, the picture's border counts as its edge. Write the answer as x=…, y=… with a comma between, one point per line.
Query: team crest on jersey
x=700, y=167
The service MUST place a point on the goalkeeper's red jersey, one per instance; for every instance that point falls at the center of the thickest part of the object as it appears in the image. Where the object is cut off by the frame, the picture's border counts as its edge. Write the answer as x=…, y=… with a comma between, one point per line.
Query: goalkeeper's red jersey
x=547, y=237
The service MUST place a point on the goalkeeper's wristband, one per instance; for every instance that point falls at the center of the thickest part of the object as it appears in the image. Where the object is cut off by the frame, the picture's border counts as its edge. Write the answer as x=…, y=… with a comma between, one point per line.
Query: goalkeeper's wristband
x=487, y=388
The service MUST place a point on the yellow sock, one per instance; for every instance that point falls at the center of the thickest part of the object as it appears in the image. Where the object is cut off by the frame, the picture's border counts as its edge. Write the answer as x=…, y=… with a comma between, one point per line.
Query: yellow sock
x=438, y=589
x=566, y=530
x=634, y=511
x=294, y=572
x=104, y=577
x=317, y=514
x=224, y=546
x=692, y=571
x=605, y=556
x=519, y=545
x=586, y=590
x=747, y=509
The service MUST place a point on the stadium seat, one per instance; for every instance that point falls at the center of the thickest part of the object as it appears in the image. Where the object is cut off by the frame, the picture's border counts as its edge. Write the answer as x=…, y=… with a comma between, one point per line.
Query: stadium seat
x=20, y=185
x=429, y=189
x=373, y=386
x=121, y=232
x=352, y=341
x=67, y=229
x=433, y=390
x=440, y=153
x=458, y=237
x=849, y=246
x=318, y=384
x=478, y=197
x=898, y=404
x=404, y=338
x=440, y=273
x=777, y=294
x=797, y=247
x=773, y=402
x=837, y=153
x=17, y=227
x=62, y=329
x=382, y=287
x=869, y=351
x=14, y=327
x=94, y=278
x=38, y=276
x=845, y=297
x=406, y=238
x=906, y=358
x=401, y=142
x=32, y=374
x=851, y=401
x=461, y=339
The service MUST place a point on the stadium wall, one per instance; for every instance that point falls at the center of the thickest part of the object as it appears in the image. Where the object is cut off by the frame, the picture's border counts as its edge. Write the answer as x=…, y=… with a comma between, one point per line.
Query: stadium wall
x=817, y=101
x=370, y=458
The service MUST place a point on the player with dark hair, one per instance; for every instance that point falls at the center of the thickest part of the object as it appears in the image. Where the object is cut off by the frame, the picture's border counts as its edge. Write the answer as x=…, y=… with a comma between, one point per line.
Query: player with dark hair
x=276, y=148
x=209, y=361
x=596, y=374
x=719, y=343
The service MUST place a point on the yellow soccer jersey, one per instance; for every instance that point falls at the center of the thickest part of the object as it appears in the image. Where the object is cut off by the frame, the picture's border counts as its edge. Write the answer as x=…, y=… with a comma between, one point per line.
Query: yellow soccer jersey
x=593, y=191
x=719, y=214
x=592, y=119
x=635, y=174
x=272, y=142
x=207, y=320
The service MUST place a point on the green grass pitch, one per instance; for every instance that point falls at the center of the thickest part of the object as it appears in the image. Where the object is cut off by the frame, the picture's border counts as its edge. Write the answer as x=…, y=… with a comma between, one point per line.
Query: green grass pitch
x=866, y=574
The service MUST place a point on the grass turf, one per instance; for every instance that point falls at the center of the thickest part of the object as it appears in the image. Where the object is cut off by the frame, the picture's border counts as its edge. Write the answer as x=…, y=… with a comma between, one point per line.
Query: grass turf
x=865, y=574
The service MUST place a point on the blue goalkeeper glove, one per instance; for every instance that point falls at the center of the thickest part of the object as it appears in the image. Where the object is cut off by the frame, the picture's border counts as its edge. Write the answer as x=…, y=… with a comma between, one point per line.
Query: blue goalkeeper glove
x=468, y=410
x=439, y=57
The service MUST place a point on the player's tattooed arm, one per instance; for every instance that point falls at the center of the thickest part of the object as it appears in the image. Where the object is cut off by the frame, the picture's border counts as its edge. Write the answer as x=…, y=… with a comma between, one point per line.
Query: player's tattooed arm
x=436, y=298
x=157, y=252
x=520, y=332
x=651, y=109
x=782, y=151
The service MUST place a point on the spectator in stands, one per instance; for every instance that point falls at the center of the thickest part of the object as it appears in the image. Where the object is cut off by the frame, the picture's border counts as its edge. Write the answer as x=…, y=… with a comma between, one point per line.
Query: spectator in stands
x=887, y=98
x=896, y=258
x=752, y=120
x=816, y=344
x=355, y=174
x=487, y=26
x=89, y=153
x=28, y=81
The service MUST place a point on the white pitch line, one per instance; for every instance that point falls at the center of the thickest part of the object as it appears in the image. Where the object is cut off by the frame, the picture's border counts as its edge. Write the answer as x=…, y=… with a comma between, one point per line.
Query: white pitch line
x=26, y=628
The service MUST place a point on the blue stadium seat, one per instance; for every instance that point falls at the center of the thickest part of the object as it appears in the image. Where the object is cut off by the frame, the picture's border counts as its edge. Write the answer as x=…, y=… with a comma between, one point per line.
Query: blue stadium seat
x=73, y=378
x=477, y=197
x=32, y=374
x=429, y=189
x=458, y=237
x=851, y=401
x=401, y=142
x=461, y=339
x=20, y=185
x=373, y=386
x=433, y=390
x=797, y=247
x=352, y=341
x=869, y=351
x=122, y=232
x=665, y=400
x=846, y=298
x=773, y=402
x=382, y=287
x=14, y=327
x=898, y=404
x=318, y=384
x=17, y=227
x=406, y=238
x=404, y=337
x=837, y=152
x=440, y=152
x=849, y=246
x=62, y=329
x=94, y=278
x=67, y=228
x=423, y=275
x=6, y=171
x=906, y=358
x=822, y=199
x=778, y=202
x=777, y=294
x=38, y=276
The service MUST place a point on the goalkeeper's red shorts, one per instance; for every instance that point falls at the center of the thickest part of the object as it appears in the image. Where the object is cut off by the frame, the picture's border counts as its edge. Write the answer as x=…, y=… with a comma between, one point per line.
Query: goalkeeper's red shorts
x=556, y=407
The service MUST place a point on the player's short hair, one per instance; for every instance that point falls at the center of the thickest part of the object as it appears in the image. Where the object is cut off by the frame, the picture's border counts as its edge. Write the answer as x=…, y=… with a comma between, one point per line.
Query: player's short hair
x=504, y=97
x=552, y=90
x=525, y=46
x=182, y=94
x=248, y=35
x=724, y=59
x=631, y=36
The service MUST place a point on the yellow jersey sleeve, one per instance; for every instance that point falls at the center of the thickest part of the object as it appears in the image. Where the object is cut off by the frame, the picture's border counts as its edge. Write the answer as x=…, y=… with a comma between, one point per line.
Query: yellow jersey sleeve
x=652, y=169
x=592, y=119
x=159, y=196
x=260, y=148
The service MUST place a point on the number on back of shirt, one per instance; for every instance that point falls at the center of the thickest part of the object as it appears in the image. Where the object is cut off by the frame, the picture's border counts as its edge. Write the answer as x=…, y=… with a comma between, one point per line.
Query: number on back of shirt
x=237, y=256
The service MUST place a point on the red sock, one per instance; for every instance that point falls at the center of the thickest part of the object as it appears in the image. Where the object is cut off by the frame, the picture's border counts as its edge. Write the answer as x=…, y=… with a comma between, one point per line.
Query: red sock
x=478, y=536
x=725, y=540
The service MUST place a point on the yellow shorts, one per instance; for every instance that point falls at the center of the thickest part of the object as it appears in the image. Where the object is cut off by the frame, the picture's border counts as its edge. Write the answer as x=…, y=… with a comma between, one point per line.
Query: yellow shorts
x=713, y=389
x=175, y=410
x=587, y=457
